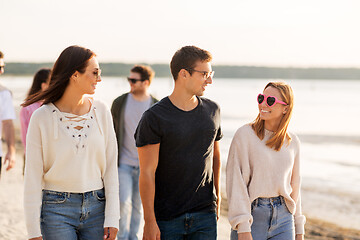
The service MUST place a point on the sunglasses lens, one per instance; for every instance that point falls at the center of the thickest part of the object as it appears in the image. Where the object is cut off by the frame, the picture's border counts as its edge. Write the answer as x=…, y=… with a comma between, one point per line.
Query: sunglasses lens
x=270, y=101
x=260, y=98
x=132, y=80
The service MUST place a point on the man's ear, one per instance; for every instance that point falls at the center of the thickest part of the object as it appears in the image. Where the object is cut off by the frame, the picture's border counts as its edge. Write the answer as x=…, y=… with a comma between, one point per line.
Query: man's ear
x=183, y=73
x=147, y=82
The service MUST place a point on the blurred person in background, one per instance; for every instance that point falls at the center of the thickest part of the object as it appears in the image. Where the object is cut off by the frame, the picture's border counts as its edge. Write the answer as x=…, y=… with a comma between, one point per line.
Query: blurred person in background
x=7, y=115
x=40, y=83
x=127, y=110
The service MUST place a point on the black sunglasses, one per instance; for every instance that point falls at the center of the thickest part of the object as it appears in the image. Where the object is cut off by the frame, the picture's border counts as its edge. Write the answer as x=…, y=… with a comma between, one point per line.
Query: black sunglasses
x=134, y=80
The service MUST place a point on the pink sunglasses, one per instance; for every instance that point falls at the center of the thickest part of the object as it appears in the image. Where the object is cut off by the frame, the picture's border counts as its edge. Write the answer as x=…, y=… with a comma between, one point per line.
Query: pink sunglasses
x=269, y=100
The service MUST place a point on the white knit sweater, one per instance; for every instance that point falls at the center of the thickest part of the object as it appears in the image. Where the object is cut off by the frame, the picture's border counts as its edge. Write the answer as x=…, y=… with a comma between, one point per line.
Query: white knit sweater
x=59, y=160
x=255, y=170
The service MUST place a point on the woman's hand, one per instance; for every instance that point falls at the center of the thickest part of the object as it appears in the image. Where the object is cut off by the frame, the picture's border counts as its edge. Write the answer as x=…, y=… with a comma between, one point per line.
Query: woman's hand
x=110, y=233
x=299, y=237
x=245, y=236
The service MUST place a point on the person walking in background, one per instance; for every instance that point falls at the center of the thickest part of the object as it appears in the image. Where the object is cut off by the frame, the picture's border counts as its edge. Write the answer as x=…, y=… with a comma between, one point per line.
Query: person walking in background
x=40, y=83
x=179, y=153
x=7, y=115
x=127, y=110
x=71, y=186
x=263, y=172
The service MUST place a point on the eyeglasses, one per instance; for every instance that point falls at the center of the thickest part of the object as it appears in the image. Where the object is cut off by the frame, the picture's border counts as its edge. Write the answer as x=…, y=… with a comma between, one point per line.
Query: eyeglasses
x=134, y=80
x=206, y=74
x=270, y=100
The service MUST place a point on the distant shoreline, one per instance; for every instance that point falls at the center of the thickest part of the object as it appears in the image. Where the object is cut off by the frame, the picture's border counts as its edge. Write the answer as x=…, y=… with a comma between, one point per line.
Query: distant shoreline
x=221, y=71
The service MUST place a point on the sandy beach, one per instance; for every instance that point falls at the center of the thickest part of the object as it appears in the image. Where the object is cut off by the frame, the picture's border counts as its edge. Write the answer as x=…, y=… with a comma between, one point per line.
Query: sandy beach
x=13, y=225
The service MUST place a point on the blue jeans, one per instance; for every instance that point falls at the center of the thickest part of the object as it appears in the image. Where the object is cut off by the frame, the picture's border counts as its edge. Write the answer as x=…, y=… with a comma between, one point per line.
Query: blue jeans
x=190, y=226
x=73, y=216
x=272, y=220
x=130, y=202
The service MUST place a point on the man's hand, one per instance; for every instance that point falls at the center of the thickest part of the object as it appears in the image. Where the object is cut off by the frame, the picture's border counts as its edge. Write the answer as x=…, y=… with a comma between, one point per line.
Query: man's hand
x=218, y=207
x=151, y=231
x=9, y=134
x=245, y=236
x=9, y=160
x=299, y=237
x=110, y=233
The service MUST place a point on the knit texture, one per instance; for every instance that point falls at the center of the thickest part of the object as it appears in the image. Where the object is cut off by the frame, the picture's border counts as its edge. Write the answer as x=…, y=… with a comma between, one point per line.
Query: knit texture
x=255, y=170
x=57, y=160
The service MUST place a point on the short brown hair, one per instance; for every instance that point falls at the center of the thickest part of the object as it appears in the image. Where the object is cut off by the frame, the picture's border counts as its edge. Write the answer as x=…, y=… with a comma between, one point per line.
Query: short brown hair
x=1, y=54
x=145, y=72
x=186, y=57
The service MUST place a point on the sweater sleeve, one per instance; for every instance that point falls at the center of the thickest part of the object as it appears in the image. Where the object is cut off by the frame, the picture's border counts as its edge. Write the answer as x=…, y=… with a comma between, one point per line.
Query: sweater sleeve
x=237, y=178
x=33, y=178
x=299, y=218
x=110, y=178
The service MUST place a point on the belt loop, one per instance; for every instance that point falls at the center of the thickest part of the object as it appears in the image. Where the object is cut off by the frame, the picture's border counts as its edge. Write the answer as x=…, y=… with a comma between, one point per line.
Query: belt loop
x=256, y=202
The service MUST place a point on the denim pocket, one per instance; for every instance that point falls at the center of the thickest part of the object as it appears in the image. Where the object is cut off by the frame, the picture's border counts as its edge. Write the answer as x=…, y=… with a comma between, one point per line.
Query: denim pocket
x=100, y=195
x=52, y=197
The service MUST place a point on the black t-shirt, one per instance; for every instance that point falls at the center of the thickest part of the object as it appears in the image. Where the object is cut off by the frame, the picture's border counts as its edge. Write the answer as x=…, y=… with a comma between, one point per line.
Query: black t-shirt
x=184, y=176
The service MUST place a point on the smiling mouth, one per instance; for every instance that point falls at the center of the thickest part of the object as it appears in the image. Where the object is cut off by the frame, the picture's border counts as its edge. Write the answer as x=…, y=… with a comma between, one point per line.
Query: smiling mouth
x=264, y=111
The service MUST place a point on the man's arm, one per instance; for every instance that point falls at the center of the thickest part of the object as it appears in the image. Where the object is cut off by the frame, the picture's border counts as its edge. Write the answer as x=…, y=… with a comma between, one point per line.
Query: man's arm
x=217, y=175
x=149, y=158
x=9, y=134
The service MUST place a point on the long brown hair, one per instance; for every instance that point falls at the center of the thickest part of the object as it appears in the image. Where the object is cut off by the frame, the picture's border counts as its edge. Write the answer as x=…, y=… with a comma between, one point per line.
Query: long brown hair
x=277, y=139
x=41, y=76
x=72, y=59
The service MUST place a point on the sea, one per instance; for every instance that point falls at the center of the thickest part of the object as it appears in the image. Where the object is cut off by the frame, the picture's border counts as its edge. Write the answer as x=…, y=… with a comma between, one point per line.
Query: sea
x=326, y=118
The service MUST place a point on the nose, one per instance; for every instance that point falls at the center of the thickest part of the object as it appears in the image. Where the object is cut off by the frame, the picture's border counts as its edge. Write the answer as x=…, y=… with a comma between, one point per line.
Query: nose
x=264, y=103
x=98, y=79
x=209, y=80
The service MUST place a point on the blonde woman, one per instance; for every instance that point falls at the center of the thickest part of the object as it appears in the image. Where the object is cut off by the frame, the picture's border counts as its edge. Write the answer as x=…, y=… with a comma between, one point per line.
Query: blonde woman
x=263, y=172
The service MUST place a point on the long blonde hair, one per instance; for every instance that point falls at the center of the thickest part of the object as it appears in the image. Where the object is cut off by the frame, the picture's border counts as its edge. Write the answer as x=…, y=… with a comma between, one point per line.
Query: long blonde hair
x=277, y=139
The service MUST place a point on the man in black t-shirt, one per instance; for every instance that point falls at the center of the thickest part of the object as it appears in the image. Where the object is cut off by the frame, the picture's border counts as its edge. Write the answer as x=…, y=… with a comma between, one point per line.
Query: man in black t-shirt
x=179, y=153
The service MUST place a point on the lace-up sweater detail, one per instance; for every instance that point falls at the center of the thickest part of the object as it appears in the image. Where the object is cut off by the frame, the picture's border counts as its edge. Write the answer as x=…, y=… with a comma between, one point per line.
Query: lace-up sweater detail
x=70, y=153
x=77, y=127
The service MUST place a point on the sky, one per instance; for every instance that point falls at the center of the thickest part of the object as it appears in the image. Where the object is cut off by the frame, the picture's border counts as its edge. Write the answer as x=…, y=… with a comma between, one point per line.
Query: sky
x=304, y=33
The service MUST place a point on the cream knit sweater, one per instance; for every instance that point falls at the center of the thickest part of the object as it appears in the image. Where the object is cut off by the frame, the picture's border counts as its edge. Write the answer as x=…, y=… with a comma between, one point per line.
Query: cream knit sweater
x=57, y=160
x=255, y=170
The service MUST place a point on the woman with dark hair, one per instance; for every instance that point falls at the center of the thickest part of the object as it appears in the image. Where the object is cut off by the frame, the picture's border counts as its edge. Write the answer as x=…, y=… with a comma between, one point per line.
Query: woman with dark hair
x=40, y=83
x=263, y=172
x=71, y=179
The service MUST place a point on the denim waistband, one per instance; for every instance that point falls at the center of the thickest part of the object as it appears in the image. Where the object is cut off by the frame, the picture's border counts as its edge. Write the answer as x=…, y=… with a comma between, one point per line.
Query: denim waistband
x=68, y=194
x=279, y=200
